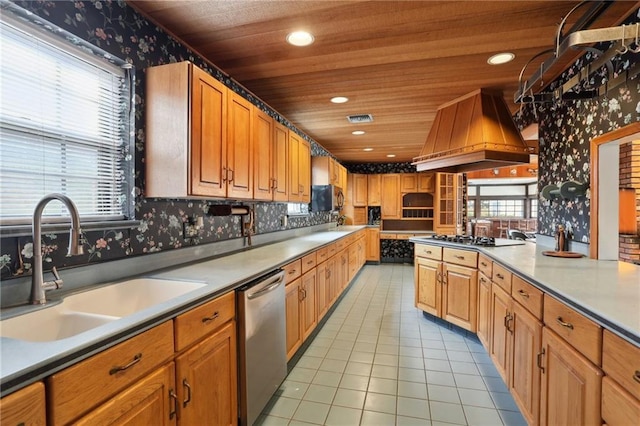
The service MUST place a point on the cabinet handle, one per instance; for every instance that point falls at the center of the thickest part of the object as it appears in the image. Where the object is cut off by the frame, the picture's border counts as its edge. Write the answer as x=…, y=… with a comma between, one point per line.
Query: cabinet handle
x=231, y=178
x=224, y=174
x=482, y=280
x=500, y=276
x=459, y=257
x=291, y=272
x=187, y=386
x=117, y=369
x=173, y=411
x=564, y=324
x=539, y=360
x=301, y=295
x=309, y=262
x=215, y=315
x=506, y=320
x=428, y=251
x=484, y=264
x=636, y=376
x=523, y=294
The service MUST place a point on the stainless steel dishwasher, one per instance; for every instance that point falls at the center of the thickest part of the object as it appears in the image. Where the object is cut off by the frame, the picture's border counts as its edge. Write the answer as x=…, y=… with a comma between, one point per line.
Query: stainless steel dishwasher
x=262, y=342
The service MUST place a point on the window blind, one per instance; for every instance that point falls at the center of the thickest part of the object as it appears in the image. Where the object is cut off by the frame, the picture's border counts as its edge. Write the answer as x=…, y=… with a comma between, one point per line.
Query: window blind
x=63, y=126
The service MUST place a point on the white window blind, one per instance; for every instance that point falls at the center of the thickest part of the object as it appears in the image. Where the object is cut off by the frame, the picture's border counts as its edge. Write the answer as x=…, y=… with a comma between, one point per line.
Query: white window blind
x=63, y=126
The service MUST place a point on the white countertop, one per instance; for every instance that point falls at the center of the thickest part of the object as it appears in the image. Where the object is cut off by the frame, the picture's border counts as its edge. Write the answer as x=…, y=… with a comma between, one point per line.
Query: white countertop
x=24, y=362
x=606, y=291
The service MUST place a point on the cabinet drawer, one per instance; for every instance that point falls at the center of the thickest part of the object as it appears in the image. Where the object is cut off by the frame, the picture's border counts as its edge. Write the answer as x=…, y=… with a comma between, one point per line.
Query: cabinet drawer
x=85, y=385
x=322, y=255
x=618, y=406
x=502, y=277
x=308, y=262
x=202, y=320
x=293, y=270
x=582, y=333
x=485, y=265
x=527, y=295
x=341, y=244
x=621, y=361
x=429, y=252
x=332, y=249
x=388, y=236
x=404, y=236
x=460, y=257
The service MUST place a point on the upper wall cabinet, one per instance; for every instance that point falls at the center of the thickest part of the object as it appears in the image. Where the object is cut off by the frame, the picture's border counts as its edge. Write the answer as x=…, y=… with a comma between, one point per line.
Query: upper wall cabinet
x=299, y=169
x=327, y=171
x=240, y=129
x=186, y=150
x=280, y=162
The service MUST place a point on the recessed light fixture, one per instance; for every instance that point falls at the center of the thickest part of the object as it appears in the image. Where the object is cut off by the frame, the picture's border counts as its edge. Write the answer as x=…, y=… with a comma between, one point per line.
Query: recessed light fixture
x=300, y=38
x=501, y=58
x=391, y=155
x=339, y=99
x=358, y=132
x=367, y=149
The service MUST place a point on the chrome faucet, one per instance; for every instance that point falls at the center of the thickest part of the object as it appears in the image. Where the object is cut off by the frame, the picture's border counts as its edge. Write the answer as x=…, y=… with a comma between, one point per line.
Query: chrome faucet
x=38, y=285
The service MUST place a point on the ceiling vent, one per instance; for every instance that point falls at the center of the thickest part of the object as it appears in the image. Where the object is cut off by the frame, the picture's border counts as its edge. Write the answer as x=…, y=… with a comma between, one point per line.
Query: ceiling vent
x=360, y=118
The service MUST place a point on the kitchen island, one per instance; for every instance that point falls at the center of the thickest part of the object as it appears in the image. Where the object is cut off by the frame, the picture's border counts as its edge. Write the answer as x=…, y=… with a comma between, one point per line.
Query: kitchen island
x=564, y=334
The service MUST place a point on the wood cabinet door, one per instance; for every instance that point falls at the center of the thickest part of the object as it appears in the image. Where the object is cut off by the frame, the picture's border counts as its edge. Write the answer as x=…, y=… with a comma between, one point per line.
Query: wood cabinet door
x=359, y=190
x=263, y=155
x=208, y=160
x=373, y=244
x=373, y=190
x=308, y=309
x=390, y=196
x=524, y=379
x=500, y=341
x=24, y=407
x=147, y=402
x=304, y=163
x=484, y=309
x=295, y=190
x=343, y=280
x=571, y=385
x=207, y=381
x=239, y=147
x=428, y=292
x=292, y=315
x=322, y=292
x=426, y=182
x=280, y=162
x=408, y=182
x=460, y=296
x=446, y=203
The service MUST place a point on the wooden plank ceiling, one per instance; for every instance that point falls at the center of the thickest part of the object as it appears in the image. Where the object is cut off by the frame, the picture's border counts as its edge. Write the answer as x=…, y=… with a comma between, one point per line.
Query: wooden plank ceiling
x=396, y=60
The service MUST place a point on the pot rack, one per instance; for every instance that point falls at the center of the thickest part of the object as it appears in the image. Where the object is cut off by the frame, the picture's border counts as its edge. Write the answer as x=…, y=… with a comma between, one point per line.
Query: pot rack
x=578, y=38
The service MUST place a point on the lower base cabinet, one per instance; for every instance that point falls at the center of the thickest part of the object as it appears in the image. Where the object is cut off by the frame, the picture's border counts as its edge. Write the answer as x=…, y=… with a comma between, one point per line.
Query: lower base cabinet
x=151, y=401
x=570, y=385
x=24, y=407
x=293, y=315
x=207, y=380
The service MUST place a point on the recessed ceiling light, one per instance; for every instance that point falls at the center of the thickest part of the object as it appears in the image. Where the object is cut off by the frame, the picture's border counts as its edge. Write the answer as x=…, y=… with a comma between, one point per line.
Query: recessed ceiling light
x=300, y=38
x=358, y=132
x=391, y=155
x=339, y=99
x=501, y=58
x=367, y=149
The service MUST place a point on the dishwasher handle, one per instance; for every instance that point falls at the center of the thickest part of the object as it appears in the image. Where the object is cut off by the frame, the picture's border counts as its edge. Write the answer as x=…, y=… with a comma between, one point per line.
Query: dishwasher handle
x=269, y=285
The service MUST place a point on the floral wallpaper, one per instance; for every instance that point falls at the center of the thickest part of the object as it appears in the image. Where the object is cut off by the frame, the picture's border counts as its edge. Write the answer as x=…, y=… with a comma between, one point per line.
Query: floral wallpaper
x=375, y=168
x=119, y=30
x=565, y=131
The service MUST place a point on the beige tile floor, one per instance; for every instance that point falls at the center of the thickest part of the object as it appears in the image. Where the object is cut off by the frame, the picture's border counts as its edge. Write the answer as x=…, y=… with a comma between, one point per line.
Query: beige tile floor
x=378, y=361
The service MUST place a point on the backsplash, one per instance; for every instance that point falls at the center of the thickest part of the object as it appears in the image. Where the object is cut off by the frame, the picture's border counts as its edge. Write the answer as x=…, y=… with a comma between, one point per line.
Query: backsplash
x=118, y=29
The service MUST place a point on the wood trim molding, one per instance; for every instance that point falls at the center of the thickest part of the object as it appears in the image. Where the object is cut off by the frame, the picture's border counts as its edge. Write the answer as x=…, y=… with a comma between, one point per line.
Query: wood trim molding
x=618, y=135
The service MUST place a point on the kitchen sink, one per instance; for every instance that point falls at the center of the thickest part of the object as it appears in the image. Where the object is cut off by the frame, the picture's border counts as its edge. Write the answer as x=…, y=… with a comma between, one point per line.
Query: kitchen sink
x=129, y=297
x=89, y=309
x=54, y=323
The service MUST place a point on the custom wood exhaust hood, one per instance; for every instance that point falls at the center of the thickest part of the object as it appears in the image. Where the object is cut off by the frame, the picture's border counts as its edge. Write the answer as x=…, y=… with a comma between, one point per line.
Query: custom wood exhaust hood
x=473, y=132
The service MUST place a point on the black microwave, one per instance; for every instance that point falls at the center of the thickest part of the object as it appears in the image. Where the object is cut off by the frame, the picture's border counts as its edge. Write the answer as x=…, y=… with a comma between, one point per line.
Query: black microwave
x=326, y=198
